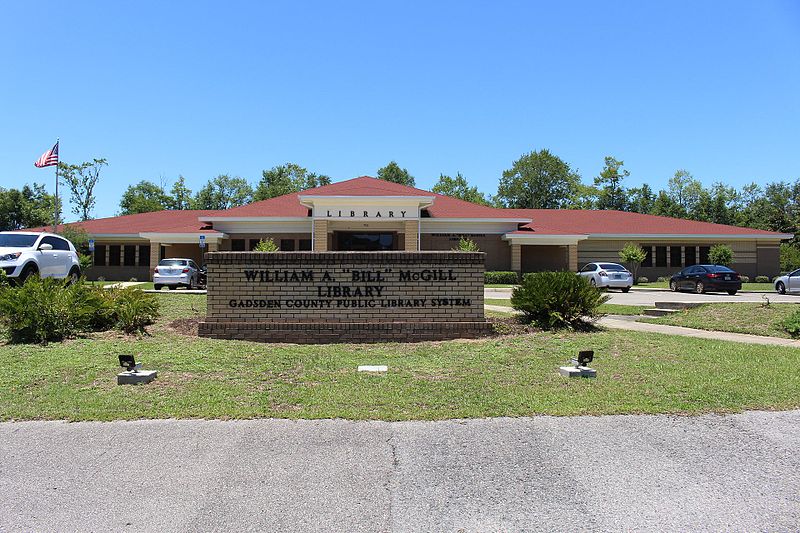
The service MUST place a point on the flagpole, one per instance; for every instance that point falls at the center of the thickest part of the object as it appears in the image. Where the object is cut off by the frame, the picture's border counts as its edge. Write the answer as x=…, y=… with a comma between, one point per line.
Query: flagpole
x=55, y=208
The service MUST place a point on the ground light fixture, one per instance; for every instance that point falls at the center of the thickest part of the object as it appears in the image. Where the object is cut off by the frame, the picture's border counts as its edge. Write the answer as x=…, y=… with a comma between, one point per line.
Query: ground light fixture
x=580, y=368
x=133, y=373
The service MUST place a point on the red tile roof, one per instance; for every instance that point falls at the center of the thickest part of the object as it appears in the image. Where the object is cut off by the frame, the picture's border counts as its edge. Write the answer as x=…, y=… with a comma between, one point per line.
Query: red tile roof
x=543, y=221
x=289, y=205
x=178, y=221
x=608, y=222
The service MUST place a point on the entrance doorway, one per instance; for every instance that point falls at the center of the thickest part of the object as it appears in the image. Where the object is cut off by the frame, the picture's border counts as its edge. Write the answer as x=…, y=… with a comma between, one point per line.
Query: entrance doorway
x=359, y=241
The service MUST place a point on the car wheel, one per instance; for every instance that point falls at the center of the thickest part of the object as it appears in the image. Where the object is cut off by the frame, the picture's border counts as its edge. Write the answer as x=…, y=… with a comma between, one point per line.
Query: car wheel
x=780, y=287
x=74, y=276
x=172, y=287
x=192, y=284
x=673, y=286
x=157, y=287
x=592, y=282
x=700, y=288
x=28, y=271
x=732, y=292
x=626, y=289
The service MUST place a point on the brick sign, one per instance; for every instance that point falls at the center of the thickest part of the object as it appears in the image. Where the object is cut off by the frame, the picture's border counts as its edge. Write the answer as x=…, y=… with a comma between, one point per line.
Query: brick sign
x=344, y=296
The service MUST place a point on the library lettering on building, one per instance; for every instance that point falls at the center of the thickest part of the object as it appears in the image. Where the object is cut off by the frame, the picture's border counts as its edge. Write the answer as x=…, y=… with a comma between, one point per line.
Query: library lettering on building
x=366, y=214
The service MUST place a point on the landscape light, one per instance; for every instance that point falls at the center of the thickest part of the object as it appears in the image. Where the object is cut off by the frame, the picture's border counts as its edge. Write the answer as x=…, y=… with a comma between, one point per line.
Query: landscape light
x=581, y=368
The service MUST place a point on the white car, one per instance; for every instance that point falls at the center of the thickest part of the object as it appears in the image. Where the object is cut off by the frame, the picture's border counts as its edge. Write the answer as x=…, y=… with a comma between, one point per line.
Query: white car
x=24, y=253
x=608, y=275
x=177, y=272
x=788, y=283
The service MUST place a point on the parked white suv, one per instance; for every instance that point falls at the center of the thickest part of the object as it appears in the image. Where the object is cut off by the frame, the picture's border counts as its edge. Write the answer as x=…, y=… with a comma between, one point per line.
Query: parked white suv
x=25, y=253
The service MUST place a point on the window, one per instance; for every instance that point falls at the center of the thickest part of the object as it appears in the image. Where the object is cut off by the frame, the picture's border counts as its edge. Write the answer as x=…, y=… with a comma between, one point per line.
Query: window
x=648, y=256
x=704, y=254
x=591, y=267
x=55, y=242
x=612, y=267
x=253, y=244
x=113, y=255
x=691, y=256
x=237, y=245
x=173, y=262
x=287, y=245
x=10, y=240
x=129, y=255
x=661, y=256
x=144, y=255
x=675, y=256
x=99, y=255
x=305, y=245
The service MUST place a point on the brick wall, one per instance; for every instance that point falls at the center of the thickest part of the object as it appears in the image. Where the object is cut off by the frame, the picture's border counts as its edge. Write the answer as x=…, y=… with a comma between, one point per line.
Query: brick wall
x=344, y=296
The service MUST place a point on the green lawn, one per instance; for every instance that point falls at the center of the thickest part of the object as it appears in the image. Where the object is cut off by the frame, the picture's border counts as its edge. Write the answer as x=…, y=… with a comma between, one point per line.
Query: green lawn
x=609, y=309
x=755, y=287
x=500, y=376
x=499, y=286
x=752, y=318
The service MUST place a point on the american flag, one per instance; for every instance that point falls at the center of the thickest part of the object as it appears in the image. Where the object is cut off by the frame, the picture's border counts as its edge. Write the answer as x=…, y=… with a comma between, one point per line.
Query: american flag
x=49, y=158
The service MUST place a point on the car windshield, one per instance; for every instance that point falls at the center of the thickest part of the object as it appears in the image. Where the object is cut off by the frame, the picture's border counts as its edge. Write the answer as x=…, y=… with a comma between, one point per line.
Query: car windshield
x=612, y=267
x=717, y=268
x=17, y=241
x=173, y=262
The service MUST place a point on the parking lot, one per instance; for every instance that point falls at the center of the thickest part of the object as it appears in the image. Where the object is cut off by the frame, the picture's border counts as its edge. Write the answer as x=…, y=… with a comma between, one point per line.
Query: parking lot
x=651, y=296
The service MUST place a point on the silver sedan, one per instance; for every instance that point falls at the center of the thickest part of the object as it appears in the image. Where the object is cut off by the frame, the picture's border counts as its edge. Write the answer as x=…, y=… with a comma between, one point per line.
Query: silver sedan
x=177, y=272
x=788, y=283
x=608, y=275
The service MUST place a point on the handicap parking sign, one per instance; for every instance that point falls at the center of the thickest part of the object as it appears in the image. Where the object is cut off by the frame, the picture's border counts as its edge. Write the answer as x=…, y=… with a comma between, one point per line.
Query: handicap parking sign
x=91, y=245
x=202, y=241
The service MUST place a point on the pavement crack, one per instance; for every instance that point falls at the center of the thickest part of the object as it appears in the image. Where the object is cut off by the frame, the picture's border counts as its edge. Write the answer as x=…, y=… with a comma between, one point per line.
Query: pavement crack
x=389, y=485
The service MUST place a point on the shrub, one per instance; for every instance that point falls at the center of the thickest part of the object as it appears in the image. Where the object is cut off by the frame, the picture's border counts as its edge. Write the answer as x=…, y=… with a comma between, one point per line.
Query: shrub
x=790, y=257
x=466, y=244
x=721, y=254
x=48, y=310
x=643, y=279
x=762, y=279
x=85, y=262
x=134, y=309
x=266, y=245
x=500, y=277
x=791, y=324
x=555, y=300
x=662, y=279
x=745, y=279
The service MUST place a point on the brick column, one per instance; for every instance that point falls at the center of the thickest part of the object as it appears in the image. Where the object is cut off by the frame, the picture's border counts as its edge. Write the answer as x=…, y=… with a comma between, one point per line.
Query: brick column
x=411, y=229
x=320, y=235
x=516, y=257
x=572, y=252
x=155, y=253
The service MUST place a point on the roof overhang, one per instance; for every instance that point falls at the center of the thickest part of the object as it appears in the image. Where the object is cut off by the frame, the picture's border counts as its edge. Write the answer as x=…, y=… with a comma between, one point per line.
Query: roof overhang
x=182, y=238
x=503, y=220
x=538, y=238
x=311, y=200
x=252, y=219
x=695, y=236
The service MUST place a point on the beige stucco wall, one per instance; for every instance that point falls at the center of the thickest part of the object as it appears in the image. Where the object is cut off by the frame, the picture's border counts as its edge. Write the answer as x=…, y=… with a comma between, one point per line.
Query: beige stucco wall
x=750, y=258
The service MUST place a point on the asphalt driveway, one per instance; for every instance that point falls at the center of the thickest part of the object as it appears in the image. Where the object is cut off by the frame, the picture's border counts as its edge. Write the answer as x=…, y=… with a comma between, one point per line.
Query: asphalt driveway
x=650, y=296
x=648, y=473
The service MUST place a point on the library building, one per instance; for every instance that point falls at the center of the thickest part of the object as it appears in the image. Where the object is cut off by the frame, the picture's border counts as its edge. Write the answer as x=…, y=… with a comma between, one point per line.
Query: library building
x=367, y=214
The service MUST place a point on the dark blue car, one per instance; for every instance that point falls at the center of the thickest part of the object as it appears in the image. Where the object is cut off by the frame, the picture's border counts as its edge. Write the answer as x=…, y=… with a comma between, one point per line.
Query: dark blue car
x=706, y=278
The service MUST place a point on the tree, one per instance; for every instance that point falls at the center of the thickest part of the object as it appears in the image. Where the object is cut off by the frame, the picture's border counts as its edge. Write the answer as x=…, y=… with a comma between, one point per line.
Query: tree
x=633, y=254
x=392, y=172
x=538, y=180
x=223, y=192
x=721, y=254
x=612, y=194
x=144, y=197
x=266, y=245
x=28, y=207
x=642, y=199
x=790, y=257
x=665, y=206
x=180, y=195
x=81, y=180
x=459, y=188
x=286, y=179
x=684, y=191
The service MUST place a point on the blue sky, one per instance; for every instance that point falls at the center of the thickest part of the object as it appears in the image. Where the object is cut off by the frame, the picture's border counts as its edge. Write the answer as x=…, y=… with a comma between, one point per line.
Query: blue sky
x=201, y=88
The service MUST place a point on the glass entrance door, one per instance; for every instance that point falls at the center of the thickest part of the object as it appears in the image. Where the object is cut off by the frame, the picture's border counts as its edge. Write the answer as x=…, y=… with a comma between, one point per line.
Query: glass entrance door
x=354, y=241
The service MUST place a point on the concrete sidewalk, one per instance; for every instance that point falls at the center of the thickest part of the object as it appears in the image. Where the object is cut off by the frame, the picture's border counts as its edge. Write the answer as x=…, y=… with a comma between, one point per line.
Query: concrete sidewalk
x=610, y=473
x=614, y=322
